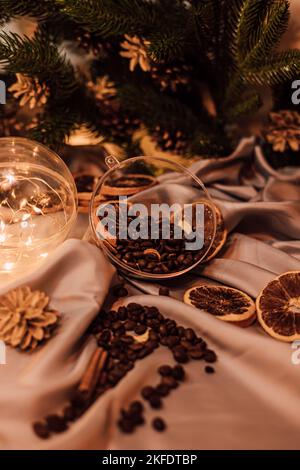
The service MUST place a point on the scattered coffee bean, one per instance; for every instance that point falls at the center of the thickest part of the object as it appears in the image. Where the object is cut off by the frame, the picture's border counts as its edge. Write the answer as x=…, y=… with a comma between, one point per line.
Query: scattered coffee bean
x=162, y=390
x=170, y=382
x=158, y=424
x=119, y=291
x=126, y=426
x=136, y=407
x=56, y=423
x=164, y=371
x=180, y=356
x=155, y=402
x=164, y=291
x=41, y=430
x=111, y=331
x=178, y=373
x=147, y=392
x=210, y=356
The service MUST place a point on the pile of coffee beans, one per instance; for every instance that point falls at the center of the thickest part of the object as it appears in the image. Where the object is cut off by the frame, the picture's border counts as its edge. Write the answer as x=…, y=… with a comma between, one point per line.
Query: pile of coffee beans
x=156, y=255
x=119, y=332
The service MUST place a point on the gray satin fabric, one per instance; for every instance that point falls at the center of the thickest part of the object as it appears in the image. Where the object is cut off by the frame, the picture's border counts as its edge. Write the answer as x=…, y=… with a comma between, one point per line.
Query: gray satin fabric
x=253, y=399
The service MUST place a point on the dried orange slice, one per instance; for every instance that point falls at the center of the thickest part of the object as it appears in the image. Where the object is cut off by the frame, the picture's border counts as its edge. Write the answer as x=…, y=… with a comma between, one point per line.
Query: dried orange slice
x=221, y=232
x=225, y=303
x=278, y=307
x=127, y=185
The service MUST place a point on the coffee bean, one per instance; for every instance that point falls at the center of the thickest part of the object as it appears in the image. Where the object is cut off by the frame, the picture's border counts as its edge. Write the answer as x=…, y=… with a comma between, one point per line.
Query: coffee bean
x=147, y=392
x=155, y=402
x=136, y=407
x=165, y=371
x=170, y=382
x=140, y=329
x=119, y=291
x=196, y=354
x=56, y=423
x=210, y=356
x=172, y=341
x=126, y=426
x=41, y=430
x=105, y=336
x=181, y=357
x=178, y=372
x=162, y=390
x=190, y=334
x=129, y=325
x=122, y=311
x=158, y=424
x=115, y=326
x=209, y=370
x=136, y=346
x=138, y=419
x=163, y=331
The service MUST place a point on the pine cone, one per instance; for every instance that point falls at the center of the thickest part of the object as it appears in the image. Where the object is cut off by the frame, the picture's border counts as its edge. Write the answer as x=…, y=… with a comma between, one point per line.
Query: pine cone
x=171, y=77
x=170, y=141
x=283, y=132
x=135, y=50
x=103, y=89
x=120, y=126
x=91, y=43
x=25, y=319
x=30, y=91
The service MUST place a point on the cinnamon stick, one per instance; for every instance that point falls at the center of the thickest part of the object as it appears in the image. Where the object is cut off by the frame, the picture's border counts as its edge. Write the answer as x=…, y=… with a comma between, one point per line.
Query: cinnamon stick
x=92, y=374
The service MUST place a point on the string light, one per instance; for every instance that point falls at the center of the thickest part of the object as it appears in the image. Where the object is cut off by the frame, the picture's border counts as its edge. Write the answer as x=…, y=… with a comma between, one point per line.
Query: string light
x=37, y=204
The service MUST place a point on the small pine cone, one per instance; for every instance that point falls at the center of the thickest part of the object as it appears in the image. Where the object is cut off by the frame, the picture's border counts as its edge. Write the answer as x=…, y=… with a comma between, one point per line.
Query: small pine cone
x=171, y=77
x=25, y=319
x=170, y=141
x=283, y=131
x=29, y=91
x=120, y=125
x=90, y=43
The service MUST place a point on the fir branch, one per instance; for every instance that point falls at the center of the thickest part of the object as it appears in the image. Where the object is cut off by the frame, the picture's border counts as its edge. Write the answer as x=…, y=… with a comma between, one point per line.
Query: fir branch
x=111, y=17
x=270, y=34
x=155, y=108
x=247, y=106
x=33, y=8
x=31, y=57
x=276, y=69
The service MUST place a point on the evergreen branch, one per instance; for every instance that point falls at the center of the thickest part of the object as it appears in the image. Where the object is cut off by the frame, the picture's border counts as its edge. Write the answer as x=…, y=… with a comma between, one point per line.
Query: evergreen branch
x=244, y=107
x=165, y=46
x=155, y=108
x=273, y=28
x=34, y=8
x=251, y=26
x=277, y=69
x=31, y=57
x=116, y=17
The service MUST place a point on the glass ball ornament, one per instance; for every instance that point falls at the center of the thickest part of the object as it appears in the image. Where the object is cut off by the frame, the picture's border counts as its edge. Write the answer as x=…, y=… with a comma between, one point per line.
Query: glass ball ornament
x=38, y=204
x=152, y=217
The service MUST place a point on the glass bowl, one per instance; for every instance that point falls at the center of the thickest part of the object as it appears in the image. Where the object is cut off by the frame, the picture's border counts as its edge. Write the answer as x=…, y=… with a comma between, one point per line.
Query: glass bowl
x=152, y=217
x=38, y=204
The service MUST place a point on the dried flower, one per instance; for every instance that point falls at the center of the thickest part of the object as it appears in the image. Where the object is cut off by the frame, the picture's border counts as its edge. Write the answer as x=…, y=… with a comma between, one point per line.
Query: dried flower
x=283, y=132
x=135, y=50
x=25, y=319
x=30, y=90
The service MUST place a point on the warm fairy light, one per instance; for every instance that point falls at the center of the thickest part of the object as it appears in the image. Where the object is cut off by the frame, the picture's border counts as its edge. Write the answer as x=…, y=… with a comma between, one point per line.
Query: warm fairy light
x=8, y=266
x=37, y=205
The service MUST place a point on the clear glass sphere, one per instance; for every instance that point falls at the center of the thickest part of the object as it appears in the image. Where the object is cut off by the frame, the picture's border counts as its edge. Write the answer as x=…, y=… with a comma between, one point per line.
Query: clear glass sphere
x=160, y=193
x=38, y=204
